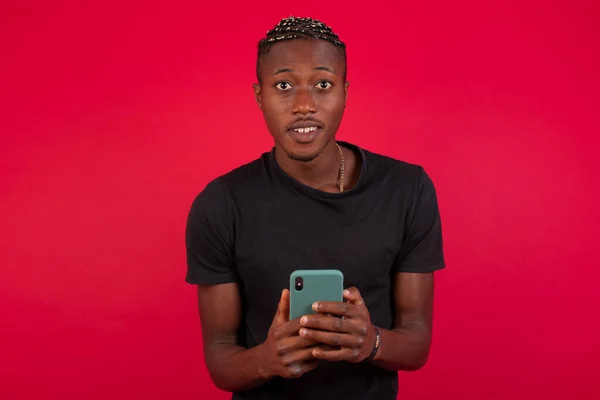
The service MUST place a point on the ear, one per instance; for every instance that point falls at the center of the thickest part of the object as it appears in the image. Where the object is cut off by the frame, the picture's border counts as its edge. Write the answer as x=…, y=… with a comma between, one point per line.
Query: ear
x=257, y=94
x=346, y=92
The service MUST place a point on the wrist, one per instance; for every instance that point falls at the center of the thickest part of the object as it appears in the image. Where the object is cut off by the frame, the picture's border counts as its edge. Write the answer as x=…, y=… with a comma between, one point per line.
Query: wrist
x=263, y=363
x=374, y=351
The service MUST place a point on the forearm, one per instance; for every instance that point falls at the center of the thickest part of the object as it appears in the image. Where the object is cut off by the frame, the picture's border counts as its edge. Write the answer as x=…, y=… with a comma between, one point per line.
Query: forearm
x=234, y=368
x=403, y=349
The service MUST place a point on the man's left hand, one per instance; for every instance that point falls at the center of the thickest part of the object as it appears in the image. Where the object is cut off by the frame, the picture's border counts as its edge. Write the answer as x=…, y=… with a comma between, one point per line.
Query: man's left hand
x=344, y=325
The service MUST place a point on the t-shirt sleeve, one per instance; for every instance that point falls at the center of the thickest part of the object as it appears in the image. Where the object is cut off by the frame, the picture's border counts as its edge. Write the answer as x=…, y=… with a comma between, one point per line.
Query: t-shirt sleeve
x=422, y=245
x=209, y=238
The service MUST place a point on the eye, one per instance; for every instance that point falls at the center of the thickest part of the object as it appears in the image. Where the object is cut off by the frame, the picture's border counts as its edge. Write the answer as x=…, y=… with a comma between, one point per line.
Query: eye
x=283, y=86
x=324, y=85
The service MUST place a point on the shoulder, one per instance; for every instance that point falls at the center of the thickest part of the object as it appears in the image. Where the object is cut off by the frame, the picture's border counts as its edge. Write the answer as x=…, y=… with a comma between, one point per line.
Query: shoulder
x=220, y=192
x=247, y=176
x=389, y=164
x=405, y=176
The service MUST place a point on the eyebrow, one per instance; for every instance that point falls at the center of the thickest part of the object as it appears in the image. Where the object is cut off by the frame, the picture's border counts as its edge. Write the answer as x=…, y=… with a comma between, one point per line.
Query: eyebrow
x=282, y=70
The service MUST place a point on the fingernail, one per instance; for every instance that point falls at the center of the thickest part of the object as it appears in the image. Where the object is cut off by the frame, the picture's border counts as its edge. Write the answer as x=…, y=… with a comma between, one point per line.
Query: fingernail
x=303, y=320
x=315, y=306
x=302, y=332
x=296, y=368
x=346, y=292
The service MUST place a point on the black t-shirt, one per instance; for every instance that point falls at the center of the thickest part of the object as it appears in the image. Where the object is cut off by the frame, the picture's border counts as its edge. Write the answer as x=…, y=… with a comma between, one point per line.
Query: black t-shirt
x=256, y=224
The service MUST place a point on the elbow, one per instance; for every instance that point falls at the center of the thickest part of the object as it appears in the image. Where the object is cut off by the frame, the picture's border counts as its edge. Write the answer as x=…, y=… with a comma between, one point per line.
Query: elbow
x=416, y=355
x=218, y=380
x=221, y=380
x=417, y=360
x=416, y=364
x=218, y=383
x=222, y=384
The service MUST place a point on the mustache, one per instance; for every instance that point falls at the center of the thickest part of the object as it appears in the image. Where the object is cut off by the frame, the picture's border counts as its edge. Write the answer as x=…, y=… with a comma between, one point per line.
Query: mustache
x=306, y=120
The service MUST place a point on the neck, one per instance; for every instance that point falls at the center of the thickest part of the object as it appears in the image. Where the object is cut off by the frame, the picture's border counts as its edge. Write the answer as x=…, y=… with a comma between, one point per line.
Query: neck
x=320, y=173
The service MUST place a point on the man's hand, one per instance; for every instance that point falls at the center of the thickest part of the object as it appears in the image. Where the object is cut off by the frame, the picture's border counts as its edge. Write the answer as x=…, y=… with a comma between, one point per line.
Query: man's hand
x=345, y=325
x=285, y=353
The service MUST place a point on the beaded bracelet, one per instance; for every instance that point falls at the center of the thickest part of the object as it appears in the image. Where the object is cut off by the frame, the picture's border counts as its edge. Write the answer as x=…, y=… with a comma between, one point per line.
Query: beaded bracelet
x=375, y=346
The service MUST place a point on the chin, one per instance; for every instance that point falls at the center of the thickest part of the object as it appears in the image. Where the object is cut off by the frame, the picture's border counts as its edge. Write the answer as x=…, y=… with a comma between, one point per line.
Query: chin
x=304, y=152
x=303, y=157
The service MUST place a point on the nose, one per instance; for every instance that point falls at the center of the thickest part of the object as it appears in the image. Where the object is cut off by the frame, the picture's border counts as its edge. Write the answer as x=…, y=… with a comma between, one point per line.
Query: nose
x=304, y=103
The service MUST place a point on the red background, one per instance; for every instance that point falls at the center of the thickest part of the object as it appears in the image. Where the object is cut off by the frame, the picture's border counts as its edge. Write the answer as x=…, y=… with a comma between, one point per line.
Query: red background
x=114, y=116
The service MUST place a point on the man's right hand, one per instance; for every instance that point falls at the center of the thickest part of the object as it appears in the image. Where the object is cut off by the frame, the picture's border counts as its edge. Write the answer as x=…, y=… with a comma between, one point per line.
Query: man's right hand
x=285, y=353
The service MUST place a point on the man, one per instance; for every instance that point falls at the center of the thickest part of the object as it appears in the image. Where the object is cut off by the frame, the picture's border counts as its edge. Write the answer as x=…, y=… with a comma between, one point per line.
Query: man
x=313, y=203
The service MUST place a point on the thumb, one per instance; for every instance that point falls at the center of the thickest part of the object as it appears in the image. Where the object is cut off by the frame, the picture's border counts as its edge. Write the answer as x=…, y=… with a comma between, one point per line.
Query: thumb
x=283, y=308
x=353, y=296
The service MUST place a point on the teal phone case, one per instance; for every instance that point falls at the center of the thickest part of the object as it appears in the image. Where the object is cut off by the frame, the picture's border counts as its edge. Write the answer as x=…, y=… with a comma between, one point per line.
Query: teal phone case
x=318, y=285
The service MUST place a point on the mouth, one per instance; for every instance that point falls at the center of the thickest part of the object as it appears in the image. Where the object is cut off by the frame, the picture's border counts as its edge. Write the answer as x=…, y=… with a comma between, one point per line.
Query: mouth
x=305, y=135
x=305, y=131
x=308, y=129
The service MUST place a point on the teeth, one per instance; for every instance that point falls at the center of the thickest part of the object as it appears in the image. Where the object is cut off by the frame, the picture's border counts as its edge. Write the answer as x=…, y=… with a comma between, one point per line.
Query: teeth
x=306, y=130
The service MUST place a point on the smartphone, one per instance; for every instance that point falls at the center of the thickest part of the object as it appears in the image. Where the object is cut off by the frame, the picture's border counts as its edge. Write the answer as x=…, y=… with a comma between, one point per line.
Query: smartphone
x=309, y=286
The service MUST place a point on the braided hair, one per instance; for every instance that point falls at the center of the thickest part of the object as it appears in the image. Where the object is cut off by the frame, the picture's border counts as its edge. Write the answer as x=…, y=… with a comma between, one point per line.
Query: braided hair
x=298, y=28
